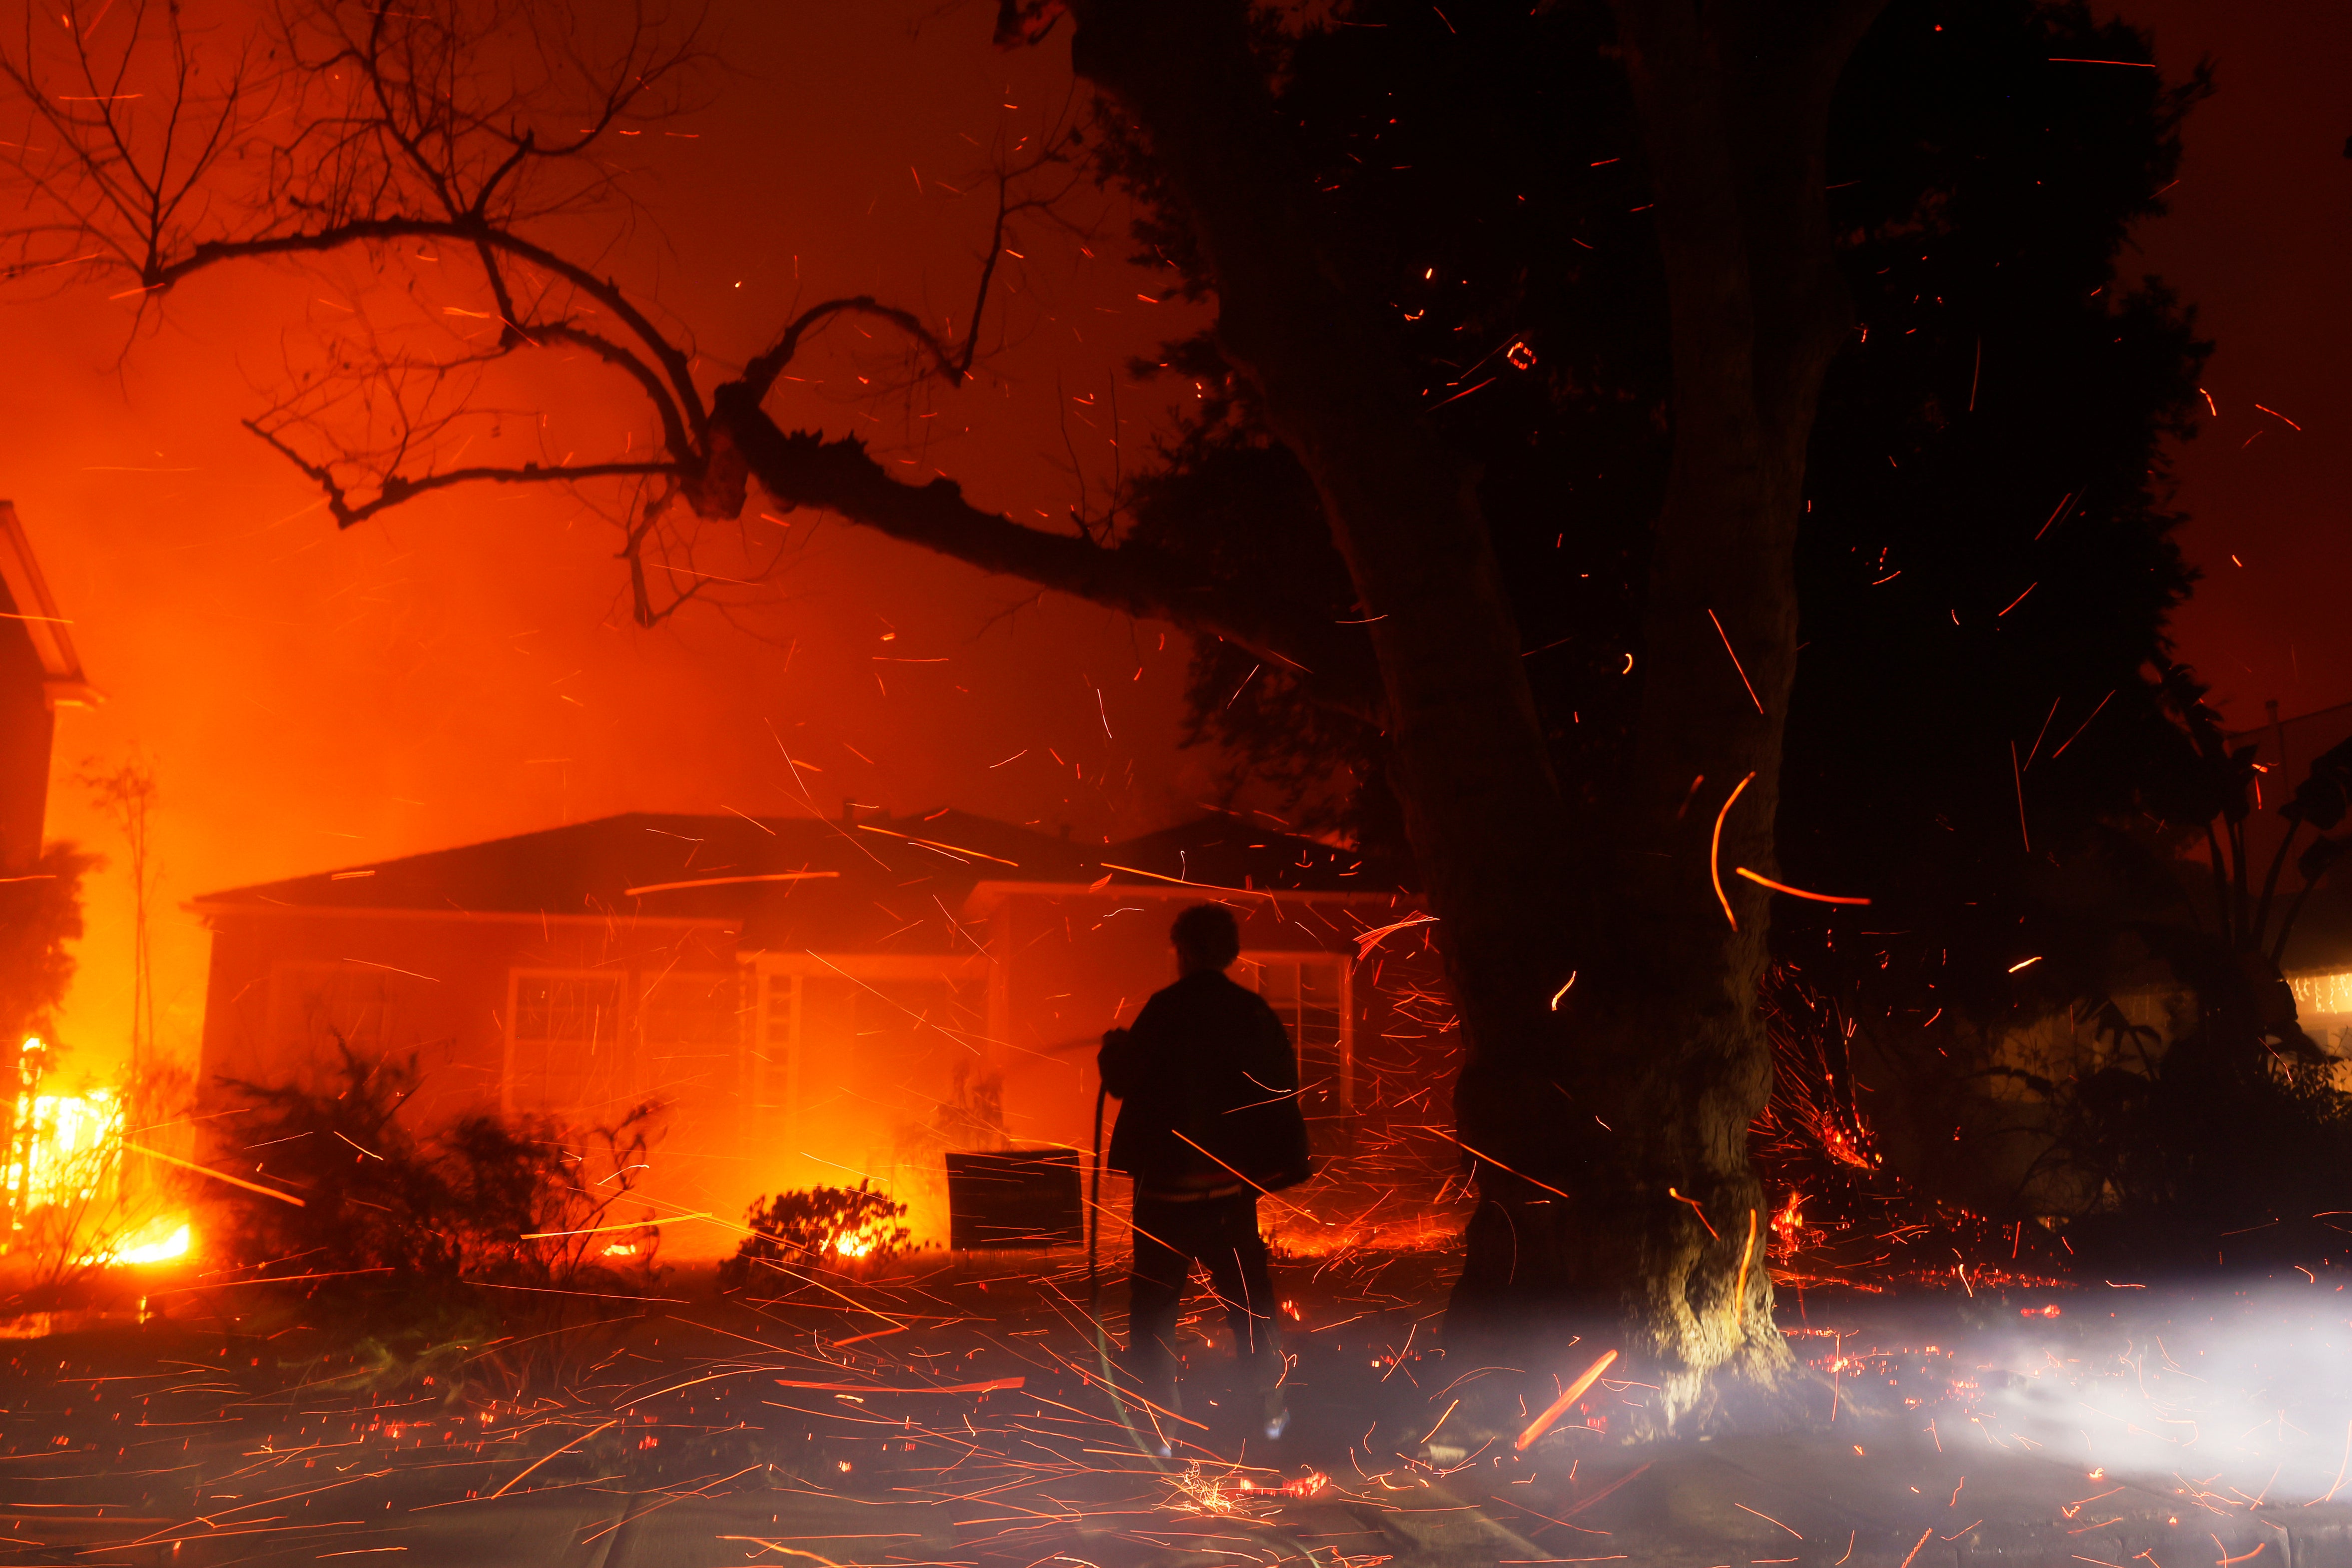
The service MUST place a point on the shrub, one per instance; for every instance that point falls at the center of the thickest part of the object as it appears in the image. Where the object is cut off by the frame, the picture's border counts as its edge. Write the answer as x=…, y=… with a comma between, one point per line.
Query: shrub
x=392, y=1217
x=820, y=1226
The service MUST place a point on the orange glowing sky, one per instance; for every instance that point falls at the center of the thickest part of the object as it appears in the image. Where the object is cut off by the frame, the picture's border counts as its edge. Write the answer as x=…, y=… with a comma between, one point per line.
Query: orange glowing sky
x=2258, y=237
x=465, y=667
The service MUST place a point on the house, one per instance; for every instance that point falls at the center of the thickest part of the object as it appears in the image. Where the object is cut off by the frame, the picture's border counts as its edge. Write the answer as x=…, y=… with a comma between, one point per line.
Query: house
x=38, y=674
x=810, y=1001
x=2319, y=955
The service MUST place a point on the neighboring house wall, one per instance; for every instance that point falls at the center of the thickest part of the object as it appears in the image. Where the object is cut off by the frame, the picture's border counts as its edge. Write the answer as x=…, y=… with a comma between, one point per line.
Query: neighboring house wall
x=574, y=1017
x=38, y=673
x=794, y=1026
x=26, y=731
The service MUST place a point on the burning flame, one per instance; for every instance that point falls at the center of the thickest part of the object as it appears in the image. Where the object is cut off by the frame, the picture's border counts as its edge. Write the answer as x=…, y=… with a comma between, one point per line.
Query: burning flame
x=65, y=1154
x=65, y=1148
x=165, y=1239
x=1790, y=1219
x=852, y=1244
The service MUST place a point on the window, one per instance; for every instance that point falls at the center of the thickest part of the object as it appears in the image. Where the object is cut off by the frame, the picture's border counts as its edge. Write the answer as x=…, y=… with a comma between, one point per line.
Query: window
x=1312, y=995
x=564, y=1050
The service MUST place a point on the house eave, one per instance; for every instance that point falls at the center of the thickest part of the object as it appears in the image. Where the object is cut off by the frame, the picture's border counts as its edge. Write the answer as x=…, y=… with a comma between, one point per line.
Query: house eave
x=215, y=911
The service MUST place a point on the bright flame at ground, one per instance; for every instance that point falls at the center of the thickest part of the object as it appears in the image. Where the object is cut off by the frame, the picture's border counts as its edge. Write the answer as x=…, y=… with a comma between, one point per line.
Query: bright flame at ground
x=852, y=1244
x=67, y=1146
x=158, y=1242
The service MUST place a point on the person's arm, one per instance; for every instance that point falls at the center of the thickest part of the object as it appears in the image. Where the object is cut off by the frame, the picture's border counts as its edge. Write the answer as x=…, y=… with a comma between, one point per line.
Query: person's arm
x=1124, y=1053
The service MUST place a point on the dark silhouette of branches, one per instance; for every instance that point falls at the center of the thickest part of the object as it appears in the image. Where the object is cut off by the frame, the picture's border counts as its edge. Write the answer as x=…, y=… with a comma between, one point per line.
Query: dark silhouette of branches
x=458, y=148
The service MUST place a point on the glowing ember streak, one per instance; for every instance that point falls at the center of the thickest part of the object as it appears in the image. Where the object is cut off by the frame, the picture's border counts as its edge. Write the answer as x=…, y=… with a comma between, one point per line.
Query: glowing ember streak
x=1678, y=1198
x=1563, y=990
x=1559, y=1407
x=1739, y=1292
x=1737, y=665
x=1293, y=1208
x=1796, y=892
x=935, y=844
x=544, y=1457
x=216, y=1175
x=729, y=881
x=2024, y=963
x=1715, y=850
x=1767, y=1519
x=989, y=1386
x=1188, y=881
x=1480, y=1154
x=600, y=1229
x=1371, y=939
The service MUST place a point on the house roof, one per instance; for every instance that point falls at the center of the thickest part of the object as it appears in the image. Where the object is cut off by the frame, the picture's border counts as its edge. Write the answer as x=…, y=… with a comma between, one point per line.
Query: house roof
x=24, y=600
x=860, y=882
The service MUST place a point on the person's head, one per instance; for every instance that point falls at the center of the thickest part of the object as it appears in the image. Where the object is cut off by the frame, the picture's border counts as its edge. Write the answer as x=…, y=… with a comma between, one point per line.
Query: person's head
x=1207, y=940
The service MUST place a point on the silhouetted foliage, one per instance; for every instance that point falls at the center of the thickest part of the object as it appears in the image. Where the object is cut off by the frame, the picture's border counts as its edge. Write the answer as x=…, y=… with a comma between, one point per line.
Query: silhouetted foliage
x=394, y=1221
x=2211, y=1137
x=40, y=914
x=804, y=1229
x=1996, y=428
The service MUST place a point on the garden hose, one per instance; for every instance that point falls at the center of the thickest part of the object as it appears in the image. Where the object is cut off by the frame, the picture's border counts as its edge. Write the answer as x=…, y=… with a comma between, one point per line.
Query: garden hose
x=1094, y=1287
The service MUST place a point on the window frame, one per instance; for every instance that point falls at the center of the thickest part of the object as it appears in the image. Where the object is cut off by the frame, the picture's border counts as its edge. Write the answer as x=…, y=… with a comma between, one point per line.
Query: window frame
x=1299, y=958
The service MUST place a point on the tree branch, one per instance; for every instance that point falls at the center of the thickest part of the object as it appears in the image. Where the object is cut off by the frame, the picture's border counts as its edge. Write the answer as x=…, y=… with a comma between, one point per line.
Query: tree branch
x=395, y=489
x=366, y=231
x=802, y=469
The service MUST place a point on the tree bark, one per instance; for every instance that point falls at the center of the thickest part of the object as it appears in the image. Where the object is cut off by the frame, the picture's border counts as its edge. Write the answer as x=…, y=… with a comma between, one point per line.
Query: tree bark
x=1734, y=105
x=1608, y=1121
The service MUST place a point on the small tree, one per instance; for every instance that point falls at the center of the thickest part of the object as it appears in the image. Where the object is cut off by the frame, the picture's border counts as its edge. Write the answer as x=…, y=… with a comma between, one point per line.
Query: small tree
x=126, y=796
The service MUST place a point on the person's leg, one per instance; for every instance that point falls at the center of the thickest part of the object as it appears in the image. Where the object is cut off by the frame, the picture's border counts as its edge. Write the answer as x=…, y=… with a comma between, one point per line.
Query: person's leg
x=1236, y=1258
x=1155, y=1296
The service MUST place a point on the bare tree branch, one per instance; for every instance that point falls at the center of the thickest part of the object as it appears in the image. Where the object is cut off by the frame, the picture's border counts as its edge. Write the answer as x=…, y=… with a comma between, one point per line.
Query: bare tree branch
x=802, y=469
x=396, y=489
x=358, y=127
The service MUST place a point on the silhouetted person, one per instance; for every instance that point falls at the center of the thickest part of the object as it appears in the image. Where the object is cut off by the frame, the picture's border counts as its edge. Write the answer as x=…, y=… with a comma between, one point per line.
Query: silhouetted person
x=1208, y=1088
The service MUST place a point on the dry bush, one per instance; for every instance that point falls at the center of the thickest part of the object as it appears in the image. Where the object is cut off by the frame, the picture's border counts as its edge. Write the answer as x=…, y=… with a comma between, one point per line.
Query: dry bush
x=488, y=1248
x=808, y=1229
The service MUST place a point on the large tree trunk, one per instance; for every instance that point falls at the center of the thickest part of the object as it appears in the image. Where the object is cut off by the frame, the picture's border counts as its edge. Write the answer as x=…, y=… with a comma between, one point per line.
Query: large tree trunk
x=1609, y=1120
x=1669, y=1222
